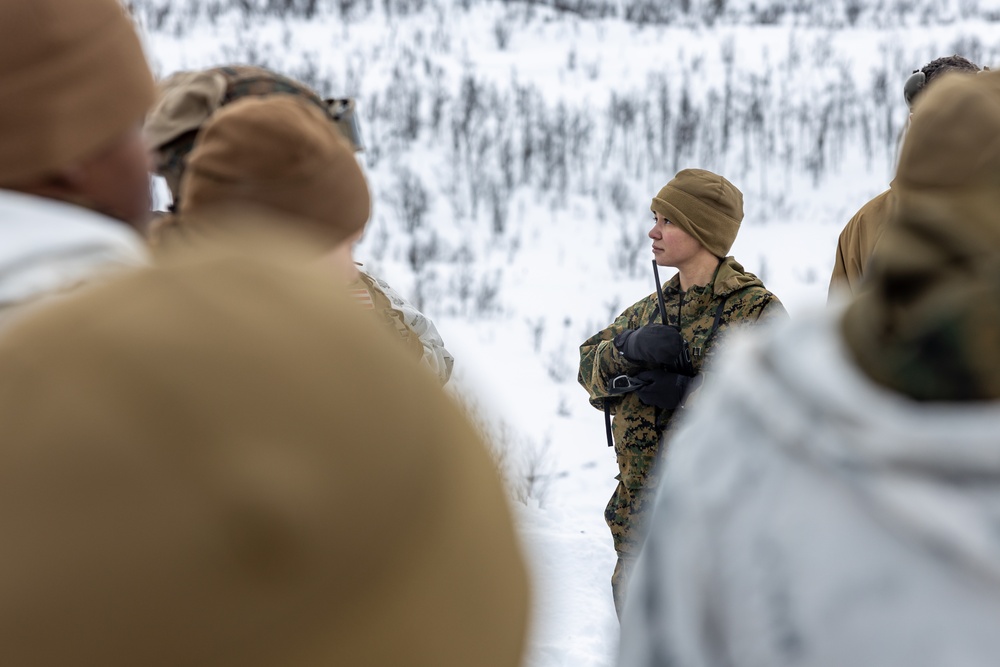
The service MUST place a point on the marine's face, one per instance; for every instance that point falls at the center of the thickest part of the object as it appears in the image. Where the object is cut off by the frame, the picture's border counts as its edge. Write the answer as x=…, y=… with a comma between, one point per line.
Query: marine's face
x=672, y=246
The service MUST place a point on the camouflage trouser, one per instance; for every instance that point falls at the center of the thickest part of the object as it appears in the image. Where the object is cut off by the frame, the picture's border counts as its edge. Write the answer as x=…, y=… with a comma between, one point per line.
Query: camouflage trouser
x=625, y=515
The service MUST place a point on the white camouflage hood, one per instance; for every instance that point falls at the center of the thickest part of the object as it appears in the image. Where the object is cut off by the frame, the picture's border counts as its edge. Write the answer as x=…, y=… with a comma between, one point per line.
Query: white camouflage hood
x=914, y=464
x=809, y=517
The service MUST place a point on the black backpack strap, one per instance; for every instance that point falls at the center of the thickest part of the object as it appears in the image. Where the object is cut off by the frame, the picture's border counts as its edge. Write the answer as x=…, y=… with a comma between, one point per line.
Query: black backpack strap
x=718, y=318
x=721, y=308
x=698, y=351
x=607, y=422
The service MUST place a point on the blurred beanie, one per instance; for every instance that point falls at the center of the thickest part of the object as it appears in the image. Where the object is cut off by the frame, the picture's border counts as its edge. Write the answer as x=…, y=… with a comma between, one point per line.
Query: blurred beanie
x=926, y=324
x=187, y=99
x=705, y=205
x=73, y=77
x=243, y=473
x=281, y=153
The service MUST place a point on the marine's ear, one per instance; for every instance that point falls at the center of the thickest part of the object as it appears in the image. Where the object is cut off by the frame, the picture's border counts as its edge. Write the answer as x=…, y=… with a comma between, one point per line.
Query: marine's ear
x=913, y=86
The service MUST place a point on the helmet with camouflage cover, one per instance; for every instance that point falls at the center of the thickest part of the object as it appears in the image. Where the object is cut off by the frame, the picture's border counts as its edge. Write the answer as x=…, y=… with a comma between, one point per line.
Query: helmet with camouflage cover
x=186, y=100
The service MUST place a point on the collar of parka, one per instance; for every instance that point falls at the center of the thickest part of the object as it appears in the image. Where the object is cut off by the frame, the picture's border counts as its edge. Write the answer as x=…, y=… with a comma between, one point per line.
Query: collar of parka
x=730, y=277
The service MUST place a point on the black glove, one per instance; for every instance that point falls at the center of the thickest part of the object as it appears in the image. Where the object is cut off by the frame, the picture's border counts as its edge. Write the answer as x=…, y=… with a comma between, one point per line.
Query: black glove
x=656, y=345
x=662, y=388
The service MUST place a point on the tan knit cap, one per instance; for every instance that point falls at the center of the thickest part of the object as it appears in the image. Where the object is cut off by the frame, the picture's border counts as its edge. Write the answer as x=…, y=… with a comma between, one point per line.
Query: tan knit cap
x=926, y=326
x=281, y=153
x=73, y=77
x=705, y=205
x=217, y=462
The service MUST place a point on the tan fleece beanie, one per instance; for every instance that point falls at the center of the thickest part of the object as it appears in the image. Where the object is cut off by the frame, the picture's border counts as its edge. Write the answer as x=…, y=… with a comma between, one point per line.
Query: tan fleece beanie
x=217, y=462
x=926, y=325
x=281, y=153
x=705, y=205
x=73, y=78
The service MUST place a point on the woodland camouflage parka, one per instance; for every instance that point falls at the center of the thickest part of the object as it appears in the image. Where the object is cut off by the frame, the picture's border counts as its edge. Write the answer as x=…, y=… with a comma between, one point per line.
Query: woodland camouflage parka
x=702, y=314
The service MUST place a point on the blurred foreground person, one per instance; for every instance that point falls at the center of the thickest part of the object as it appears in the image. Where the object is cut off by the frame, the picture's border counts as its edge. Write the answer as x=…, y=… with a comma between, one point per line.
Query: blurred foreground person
x=197, y=469
x=245, y=135
x=641, y=366
x=74, y=170
x=863, y=232
x=856, y=524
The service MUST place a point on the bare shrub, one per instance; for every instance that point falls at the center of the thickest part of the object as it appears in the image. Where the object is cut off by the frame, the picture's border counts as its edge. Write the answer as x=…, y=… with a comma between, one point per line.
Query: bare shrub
x=424, y=249
x=463, y=279
x=559, y=368
x=627, y=250
x=411, y=199
x=499, y=200
x=502, y=30
x=487, y=293
x=523, y=463
x=537, y=333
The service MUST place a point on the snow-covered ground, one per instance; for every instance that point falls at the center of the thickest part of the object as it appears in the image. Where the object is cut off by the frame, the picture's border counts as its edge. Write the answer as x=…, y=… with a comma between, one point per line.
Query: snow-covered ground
x=526, y=249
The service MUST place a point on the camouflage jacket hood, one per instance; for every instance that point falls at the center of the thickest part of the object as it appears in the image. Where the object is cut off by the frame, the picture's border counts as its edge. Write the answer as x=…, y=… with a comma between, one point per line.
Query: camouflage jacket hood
x=729, y=278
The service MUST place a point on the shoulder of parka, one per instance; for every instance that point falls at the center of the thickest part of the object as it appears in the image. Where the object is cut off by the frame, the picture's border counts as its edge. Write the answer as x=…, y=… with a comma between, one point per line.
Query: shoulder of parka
x=862, y=233
x=857, y=242
x=745, y=294
x=872, y=216
x=432, y=350
x=731, y=277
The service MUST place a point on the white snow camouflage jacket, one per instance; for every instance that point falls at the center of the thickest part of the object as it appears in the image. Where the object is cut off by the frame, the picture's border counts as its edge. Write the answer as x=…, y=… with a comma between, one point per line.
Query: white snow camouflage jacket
x=809, y=517
x=435, y=355
x=48, y=247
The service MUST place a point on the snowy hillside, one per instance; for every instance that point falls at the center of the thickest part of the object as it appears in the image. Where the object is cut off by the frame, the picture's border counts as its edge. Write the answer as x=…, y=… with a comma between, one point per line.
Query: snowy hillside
x=513, y=148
